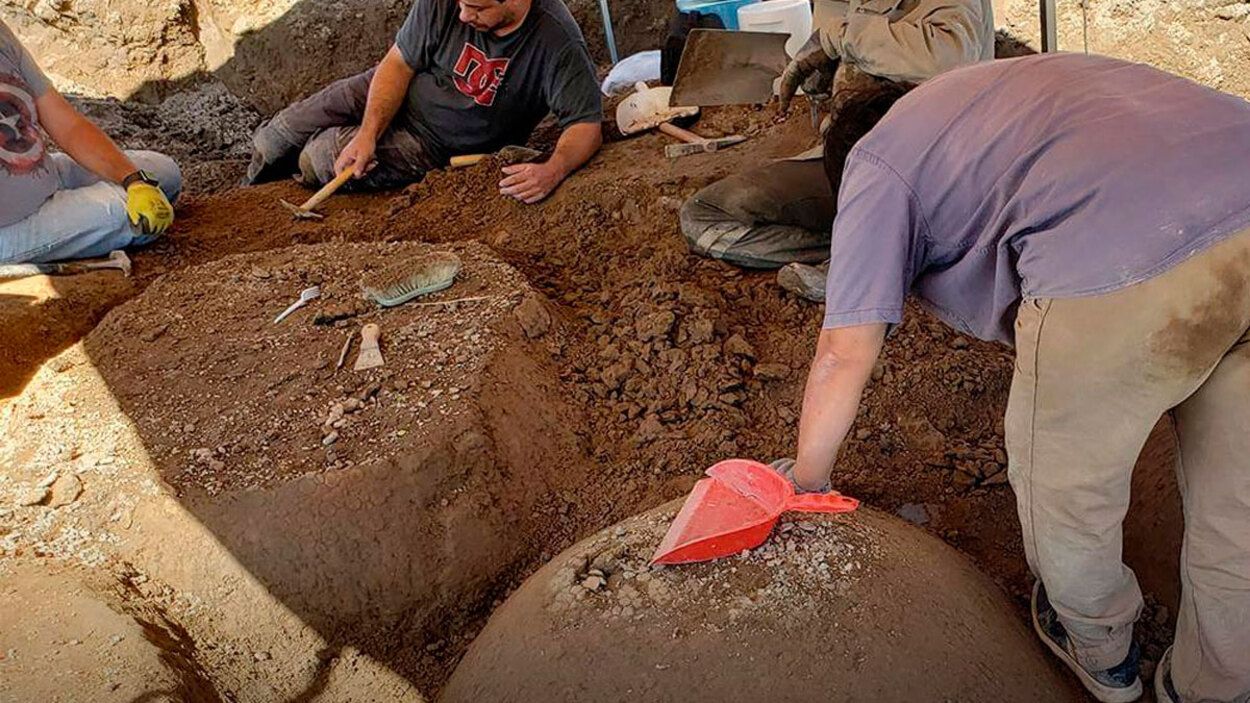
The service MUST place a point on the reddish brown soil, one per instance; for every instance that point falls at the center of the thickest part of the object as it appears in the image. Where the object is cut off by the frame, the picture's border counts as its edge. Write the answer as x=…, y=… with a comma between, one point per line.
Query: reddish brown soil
x=835, y=608
x=677, y=361
x=245, y=403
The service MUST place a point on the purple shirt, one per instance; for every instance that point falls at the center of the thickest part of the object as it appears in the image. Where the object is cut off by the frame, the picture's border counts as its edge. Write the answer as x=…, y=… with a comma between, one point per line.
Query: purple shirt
x=1050, y=176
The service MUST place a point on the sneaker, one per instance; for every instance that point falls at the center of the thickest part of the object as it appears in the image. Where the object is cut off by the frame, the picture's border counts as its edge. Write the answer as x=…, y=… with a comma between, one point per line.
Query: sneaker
x=804, y=280
x=1164, y=691
x=1119, y=684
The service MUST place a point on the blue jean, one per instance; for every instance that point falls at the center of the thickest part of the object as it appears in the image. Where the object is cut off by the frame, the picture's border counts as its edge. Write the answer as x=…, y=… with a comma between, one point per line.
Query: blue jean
x=87, y=217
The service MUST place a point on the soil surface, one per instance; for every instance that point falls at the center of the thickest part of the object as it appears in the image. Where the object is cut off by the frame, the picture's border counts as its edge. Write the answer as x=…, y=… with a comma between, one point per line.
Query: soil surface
x=672, y=362
x=859, y=607
x=669, y=363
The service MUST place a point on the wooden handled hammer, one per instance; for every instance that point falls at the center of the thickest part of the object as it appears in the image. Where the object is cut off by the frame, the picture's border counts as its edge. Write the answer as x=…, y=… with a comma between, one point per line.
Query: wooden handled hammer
x=693, y=143
x=305, y=211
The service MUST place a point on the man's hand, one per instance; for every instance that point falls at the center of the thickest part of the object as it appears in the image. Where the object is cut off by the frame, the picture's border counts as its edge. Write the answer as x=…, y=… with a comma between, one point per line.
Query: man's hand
x=810, y=68
x=357, y=155
x=530, y=183
x=148, y=208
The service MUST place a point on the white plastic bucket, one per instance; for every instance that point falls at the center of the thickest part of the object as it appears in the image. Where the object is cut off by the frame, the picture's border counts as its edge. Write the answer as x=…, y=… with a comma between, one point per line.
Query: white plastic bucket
x=793, y=17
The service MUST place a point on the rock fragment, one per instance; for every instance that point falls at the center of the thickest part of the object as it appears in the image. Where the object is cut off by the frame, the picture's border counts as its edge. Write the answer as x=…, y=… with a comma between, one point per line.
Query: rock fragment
x=65, y=490
x=533, y=316
x=655, y=325
x=737, y=346
x=772, y=372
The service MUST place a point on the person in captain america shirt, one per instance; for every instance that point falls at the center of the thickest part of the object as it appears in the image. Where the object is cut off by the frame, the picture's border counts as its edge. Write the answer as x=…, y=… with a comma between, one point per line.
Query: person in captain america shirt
x=466, y=77
x=84, y=200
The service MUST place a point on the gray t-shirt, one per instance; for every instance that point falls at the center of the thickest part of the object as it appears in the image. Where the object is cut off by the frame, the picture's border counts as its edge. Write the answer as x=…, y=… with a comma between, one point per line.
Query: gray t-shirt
x=27, y=176
x=474, y=92
x=1050, y=176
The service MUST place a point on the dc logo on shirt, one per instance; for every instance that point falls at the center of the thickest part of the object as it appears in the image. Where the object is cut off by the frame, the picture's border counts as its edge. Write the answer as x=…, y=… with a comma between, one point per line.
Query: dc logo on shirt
x=478, y=76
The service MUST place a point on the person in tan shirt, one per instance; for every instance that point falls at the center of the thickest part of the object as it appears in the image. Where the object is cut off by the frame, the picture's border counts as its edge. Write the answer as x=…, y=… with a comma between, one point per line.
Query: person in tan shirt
x=779, y=215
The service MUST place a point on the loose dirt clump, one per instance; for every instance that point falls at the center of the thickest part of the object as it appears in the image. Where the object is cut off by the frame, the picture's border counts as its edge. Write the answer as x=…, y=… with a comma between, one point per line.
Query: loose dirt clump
x=852, y=608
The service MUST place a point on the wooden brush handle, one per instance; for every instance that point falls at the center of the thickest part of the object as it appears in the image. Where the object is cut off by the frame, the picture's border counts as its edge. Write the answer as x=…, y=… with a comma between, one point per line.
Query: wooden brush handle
x=465, y=160
x=327, y=190
x=369, y=335
x=676, y=132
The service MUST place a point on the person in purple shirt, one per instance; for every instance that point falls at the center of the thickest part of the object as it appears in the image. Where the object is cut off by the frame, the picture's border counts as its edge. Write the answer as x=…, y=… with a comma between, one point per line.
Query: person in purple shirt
x=1095, y=214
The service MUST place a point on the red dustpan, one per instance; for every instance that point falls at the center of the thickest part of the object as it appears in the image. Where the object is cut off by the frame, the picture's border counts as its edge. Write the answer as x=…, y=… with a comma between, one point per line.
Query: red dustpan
x=735, y=509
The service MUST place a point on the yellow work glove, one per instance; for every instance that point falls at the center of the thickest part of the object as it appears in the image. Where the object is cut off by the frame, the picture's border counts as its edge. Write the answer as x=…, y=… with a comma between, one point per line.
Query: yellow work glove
x=148, y=208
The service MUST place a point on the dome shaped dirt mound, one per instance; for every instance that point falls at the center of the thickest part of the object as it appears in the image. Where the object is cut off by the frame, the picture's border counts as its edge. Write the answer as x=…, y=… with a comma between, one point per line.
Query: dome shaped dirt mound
x=852, y=608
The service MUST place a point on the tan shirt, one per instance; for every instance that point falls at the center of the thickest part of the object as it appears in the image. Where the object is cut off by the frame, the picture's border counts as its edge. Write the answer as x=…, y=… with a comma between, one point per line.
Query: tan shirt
x=909, y=40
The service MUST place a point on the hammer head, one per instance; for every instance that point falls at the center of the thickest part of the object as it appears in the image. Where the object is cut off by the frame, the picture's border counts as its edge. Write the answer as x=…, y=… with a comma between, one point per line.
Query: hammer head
x=673, y=151
x=118, y=259
x=300, y=213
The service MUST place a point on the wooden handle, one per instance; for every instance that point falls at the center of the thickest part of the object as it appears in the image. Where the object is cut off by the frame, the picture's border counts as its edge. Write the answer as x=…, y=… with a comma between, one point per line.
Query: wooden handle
x=369, y=335
x=673, y=130
x=465, y=160
x=326, y=190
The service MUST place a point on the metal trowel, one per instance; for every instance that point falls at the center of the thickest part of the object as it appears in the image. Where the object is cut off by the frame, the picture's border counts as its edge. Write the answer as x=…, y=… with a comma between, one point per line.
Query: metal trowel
x=720, y=67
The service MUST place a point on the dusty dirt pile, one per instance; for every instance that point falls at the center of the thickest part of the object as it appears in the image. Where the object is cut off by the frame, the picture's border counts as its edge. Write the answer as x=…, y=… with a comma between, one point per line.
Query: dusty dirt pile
x=1205, y=40
x=101, y=649
x=855, y=608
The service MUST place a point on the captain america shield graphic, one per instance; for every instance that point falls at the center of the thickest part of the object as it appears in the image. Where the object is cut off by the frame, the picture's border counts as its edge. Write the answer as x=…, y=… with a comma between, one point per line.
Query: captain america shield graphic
x=21, y=145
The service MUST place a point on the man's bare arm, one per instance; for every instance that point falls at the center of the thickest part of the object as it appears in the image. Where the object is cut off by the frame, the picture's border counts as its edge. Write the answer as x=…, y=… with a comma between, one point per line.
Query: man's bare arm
x=85, y=143
x=839, y=373
x=530, y=183
x=387, y=91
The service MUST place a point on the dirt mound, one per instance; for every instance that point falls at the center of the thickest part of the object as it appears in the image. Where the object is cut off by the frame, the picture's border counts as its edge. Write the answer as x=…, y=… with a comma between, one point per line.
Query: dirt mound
x=205, y=128
x=861, y=607
x=225, y=458
x=248, y=403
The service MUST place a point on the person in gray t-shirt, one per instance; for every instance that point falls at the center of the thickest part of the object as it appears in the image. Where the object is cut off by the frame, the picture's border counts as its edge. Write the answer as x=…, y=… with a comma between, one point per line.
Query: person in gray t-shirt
x=1096, y=214
x=461, y=78
x=82, y=203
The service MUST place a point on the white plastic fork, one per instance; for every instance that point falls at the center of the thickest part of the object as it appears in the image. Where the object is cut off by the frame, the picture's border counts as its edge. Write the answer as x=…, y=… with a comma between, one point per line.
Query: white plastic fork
x=307, y=296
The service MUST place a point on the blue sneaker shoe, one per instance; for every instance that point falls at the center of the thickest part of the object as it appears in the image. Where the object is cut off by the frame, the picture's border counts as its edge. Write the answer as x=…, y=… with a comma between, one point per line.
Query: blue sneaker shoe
x=1164, y=691
x=1119, y=684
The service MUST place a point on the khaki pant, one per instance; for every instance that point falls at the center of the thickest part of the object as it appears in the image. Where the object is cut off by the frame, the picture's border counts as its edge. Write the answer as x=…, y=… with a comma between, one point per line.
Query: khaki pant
x=1093, y=375
x=766, y=217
